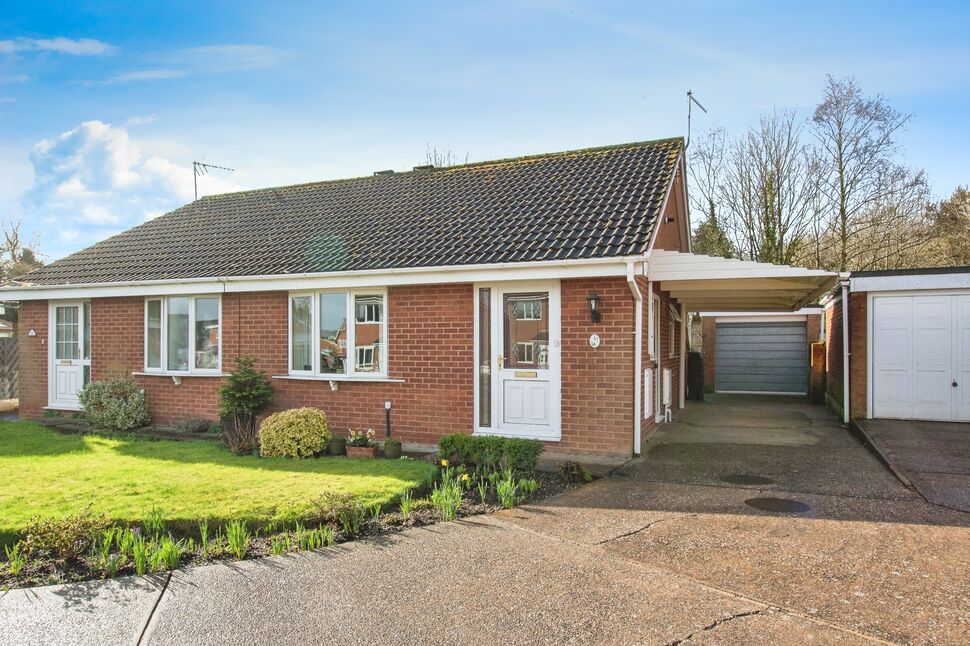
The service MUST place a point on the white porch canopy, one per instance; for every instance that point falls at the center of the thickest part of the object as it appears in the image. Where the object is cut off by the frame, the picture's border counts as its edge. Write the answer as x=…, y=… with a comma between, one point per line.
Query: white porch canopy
x=726, y=285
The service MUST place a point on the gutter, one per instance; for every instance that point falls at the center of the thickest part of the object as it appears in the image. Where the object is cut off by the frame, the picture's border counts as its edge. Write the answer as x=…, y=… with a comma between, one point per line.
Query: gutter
x=329, y=274
x=637, y=351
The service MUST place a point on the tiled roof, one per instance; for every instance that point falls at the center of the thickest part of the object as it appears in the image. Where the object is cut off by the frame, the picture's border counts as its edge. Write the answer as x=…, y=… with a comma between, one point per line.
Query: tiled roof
x=590, y=203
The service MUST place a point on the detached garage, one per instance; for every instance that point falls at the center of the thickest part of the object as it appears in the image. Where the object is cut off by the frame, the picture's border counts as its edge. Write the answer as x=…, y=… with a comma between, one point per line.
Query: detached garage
x=759, y=353
x=909, y=344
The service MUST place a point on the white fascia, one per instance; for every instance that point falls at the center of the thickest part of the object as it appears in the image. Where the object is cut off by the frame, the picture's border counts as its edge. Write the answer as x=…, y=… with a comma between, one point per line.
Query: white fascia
x=540, y=270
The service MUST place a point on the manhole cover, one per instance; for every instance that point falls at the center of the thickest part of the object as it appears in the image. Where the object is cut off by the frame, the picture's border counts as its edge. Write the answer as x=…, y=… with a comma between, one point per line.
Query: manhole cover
x=781, y=505
x=743, y=479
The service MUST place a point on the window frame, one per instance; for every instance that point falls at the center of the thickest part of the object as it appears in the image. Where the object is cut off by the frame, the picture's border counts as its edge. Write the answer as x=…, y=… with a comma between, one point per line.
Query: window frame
x=351, y=319
x=163, y=369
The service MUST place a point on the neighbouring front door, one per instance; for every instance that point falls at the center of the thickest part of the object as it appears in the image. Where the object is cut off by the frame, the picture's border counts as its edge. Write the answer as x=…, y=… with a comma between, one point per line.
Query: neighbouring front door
x=70, y=353
x=518, y=360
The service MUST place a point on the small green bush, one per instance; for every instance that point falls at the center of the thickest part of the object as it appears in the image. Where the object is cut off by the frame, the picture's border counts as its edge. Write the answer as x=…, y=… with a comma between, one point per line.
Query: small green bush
x=245, y=393
x=296, y=433
x=491, y=452
x=116, y=405
x=65, y=538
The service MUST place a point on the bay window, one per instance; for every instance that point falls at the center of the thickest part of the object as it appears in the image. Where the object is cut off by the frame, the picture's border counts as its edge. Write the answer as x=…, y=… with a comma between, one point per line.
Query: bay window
x=182, y=334
x=338, y=333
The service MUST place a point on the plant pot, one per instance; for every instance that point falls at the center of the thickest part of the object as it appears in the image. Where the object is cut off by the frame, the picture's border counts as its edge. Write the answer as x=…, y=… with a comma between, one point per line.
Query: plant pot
x=337, y=446
x=392, y=449
x=362, y=451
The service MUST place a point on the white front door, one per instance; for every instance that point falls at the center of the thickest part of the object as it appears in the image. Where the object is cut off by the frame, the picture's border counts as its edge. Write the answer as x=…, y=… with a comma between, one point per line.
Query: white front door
x=70, y=353
x=518, y=360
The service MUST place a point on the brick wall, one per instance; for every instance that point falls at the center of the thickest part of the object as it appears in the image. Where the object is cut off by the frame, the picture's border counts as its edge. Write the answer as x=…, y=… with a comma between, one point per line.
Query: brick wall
x=430, y=346
x=833, y=355
x=858, y=323
x=670, y=234
x=858, y=317
x=597, y=385
x=649, y=426
x=33, y=353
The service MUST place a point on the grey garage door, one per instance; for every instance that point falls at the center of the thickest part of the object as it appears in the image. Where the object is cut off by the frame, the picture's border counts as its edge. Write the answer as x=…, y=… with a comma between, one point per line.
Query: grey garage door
x=762, y=357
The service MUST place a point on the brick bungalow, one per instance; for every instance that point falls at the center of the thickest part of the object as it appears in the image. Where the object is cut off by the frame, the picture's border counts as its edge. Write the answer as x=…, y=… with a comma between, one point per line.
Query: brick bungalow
x=542, y=297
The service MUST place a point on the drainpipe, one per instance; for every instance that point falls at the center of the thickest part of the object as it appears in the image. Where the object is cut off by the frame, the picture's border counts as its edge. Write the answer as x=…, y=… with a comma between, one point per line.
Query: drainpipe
x=845, y=352
x=637, y=352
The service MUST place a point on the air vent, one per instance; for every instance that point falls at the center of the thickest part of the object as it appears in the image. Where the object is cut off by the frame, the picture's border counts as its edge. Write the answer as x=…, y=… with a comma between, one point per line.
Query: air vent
x=426, y=167
x=383, y=172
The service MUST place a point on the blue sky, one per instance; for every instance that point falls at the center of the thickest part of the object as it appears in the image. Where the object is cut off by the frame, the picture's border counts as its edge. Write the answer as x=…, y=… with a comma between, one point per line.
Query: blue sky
x=104, y=105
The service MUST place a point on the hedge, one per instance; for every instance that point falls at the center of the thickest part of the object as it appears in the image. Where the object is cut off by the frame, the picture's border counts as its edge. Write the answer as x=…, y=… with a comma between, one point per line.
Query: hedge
x=491, y=452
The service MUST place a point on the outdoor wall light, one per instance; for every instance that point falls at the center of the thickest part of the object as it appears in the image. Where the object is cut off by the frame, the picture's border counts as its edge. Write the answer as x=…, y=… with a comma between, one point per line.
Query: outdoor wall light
x=594, y=308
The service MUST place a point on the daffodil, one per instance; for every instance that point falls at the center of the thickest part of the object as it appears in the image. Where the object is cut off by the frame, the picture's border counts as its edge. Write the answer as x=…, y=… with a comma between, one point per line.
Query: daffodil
x=444, y=463
x=465, y=477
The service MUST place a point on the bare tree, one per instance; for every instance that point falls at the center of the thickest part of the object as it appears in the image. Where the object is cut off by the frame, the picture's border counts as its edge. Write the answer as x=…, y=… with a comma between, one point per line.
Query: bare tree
x=706, y=172
x=17, y=256
x=444, y=157
x=871, y=200
x=769, y=191
x=951, y=218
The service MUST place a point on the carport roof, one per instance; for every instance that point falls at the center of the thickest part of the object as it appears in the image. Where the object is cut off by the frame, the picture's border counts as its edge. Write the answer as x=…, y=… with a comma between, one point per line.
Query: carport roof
x=728, y=285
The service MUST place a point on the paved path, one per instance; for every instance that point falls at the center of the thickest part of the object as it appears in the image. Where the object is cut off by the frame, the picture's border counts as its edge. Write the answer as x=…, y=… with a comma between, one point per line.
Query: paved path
x=660, y=554
x=933, y=456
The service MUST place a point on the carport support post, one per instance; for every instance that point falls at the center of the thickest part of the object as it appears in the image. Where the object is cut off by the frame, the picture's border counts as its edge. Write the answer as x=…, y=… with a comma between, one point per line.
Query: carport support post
x=845, y=352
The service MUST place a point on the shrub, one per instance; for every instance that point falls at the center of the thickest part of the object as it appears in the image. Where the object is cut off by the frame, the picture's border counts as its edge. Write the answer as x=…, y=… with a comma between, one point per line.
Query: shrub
x=490, y=452
x=296, y=433
x=65, y=538
x=116, y=405
x=245, y=393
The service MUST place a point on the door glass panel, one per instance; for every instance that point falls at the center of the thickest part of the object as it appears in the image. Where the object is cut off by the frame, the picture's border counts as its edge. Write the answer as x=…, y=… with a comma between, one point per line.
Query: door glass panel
x=66, y=333
x=369, y=333
x=154, y=359
x=333, y=332
x=302, y=322
x=207, y=333
x=526, y=338
x=178, y=333
x=484, y=357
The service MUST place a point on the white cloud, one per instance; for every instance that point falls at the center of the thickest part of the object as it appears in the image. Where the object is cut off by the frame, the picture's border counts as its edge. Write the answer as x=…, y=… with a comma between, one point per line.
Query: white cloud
x=140, y=120
x=14, y=78
x=139, y=76
x=92, y=181
x=225, y=58
x=60, y=45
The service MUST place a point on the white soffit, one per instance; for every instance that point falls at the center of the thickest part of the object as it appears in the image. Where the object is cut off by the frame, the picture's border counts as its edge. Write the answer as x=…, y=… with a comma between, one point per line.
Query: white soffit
x=727, y=285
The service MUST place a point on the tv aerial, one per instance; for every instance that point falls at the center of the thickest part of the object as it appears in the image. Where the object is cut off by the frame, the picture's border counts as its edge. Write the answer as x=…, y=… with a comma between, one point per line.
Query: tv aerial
x=691, y=101
x=202, y=168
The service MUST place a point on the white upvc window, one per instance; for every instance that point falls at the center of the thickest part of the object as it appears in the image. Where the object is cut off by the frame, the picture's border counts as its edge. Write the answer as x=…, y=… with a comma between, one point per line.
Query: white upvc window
x=183, y=334
x=339, y=333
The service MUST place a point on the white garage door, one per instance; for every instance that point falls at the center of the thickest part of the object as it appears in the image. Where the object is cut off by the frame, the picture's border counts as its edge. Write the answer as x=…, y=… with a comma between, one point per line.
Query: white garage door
x=921, y=357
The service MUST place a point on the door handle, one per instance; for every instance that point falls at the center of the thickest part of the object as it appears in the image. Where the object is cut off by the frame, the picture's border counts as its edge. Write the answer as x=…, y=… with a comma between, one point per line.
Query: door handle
x=500, y=362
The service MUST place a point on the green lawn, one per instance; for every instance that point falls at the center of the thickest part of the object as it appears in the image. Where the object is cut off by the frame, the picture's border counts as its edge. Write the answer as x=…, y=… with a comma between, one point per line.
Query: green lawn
x=44, y=473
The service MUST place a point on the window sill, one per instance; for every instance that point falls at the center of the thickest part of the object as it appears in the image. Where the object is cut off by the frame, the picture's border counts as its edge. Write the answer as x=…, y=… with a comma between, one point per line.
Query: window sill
x=217, y=375
x=341, y=378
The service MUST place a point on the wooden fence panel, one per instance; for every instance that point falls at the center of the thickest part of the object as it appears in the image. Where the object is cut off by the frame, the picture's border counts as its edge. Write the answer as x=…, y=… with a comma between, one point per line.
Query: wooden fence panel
x=9, y=374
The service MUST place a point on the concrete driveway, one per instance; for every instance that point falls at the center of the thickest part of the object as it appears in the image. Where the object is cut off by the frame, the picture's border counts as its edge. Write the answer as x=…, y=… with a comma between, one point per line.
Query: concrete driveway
x=933, y=456
x=665, y=552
